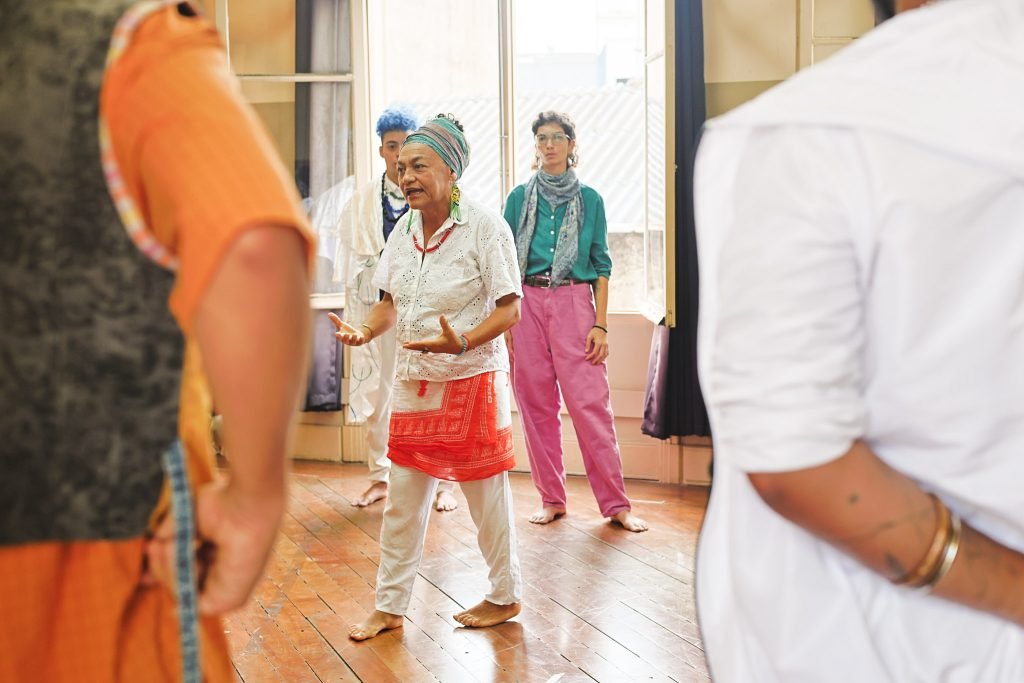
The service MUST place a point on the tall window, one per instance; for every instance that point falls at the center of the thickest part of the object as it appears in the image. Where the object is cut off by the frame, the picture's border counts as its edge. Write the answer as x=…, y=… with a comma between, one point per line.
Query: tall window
x=583, y=57
x=656, y=245
x=294, y=59
x=441, y=56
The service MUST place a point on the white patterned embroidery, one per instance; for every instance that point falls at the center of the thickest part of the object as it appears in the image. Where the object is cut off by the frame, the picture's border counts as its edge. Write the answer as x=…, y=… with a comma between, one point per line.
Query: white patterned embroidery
x=476, y=265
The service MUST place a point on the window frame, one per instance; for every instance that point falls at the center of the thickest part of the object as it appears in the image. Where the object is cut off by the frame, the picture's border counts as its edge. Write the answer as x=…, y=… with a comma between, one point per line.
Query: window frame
x=358, y=115
x=361, y=120
x=654, y=309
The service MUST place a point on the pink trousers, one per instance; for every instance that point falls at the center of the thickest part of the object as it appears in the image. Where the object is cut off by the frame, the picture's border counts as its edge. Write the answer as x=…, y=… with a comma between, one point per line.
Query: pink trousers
x=549, y=346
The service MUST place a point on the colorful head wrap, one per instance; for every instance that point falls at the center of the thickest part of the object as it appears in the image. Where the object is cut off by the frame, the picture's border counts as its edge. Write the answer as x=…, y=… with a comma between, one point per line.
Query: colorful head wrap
x=443, y=135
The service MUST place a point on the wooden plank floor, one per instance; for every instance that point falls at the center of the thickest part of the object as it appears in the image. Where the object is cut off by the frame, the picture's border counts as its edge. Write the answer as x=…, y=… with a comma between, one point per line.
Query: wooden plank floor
x=599, y=603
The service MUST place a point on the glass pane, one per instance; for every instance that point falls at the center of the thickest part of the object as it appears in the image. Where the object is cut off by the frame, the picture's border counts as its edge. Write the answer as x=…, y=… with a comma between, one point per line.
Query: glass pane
x=289, y=36
x=593, y=72
x=310, y=124
x=655, y=27
x=442, y=56
x=654, y=236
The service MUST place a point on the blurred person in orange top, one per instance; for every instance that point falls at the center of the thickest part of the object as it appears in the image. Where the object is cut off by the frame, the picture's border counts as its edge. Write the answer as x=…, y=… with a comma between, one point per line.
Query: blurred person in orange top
x=130, y=181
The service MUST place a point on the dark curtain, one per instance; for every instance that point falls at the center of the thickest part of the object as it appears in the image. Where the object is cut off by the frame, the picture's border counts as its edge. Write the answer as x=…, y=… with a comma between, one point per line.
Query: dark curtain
x=323, y=388
x=303, y=64
x=683, y=412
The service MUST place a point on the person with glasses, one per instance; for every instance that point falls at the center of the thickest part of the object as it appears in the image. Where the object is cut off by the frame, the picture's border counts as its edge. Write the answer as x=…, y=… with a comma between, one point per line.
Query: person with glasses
x=363, y=228
x=561, y=343
x=451, y=289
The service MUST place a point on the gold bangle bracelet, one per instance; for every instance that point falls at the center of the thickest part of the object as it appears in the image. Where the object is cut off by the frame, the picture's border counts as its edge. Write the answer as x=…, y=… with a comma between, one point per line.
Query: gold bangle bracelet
x=369, y=328
x=929, y=563
x=949, y=553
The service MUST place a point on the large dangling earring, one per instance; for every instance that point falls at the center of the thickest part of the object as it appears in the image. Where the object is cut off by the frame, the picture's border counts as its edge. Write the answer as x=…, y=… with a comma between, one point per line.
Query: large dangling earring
x=454, y=210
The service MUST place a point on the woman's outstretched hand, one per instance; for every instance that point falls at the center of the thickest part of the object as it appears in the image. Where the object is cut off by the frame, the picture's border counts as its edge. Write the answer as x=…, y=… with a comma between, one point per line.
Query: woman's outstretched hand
x=448, y=341
x=346, y=334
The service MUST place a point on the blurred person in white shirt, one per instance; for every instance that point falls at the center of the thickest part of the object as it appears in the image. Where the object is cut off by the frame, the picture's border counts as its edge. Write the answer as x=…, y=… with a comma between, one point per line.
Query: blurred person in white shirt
x=861, y=350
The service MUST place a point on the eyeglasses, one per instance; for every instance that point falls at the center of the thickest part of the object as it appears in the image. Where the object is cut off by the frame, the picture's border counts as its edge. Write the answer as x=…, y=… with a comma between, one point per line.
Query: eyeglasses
x=555, y=138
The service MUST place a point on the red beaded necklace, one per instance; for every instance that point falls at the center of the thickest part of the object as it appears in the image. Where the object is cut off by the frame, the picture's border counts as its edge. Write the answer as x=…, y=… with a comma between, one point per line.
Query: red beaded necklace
x=416, y=242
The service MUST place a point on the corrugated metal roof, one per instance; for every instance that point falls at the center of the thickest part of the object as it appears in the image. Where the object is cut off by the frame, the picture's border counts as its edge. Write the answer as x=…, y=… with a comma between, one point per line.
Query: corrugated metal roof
x=610, y=142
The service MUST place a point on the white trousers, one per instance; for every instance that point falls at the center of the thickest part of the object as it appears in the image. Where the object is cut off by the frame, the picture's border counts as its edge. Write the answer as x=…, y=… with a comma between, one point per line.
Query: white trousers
x=377, y=424
x=406, y=514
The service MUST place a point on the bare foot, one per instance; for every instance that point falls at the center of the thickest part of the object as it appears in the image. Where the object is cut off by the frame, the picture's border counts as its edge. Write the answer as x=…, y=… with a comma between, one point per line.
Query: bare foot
x=378, y=491
x=374, y=624
x=487, y=614
x=445, y=501
x=546, y=515
x=629, y=521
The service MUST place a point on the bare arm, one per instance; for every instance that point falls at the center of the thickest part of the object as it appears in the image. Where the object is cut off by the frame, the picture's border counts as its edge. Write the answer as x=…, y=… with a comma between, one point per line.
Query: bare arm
x=379, y=320
x=253, y=332
x=885, y=520
x=252, y=327
x=504, y=316
x=601, y=300
x=597, y=338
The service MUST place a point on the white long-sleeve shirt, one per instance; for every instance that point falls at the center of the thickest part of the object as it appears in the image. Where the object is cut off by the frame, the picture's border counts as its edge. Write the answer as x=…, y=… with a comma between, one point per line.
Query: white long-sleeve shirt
x=861, y=237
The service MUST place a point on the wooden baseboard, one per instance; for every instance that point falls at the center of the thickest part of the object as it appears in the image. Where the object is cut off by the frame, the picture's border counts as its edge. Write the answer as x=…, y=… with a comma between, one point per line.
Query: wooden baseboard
x=325, y=437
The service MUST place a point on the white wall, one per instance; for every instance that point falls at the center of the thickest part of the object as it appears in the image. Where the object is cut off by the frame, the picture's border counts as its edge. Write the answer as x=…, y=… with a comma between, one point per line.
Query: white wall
x=751, y=45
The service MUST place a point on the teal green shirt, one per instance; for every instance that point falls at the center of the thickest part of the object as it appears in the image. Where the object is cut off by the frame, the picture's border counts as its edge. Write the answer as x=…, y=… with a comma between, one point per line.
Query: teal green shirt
x=593, y=261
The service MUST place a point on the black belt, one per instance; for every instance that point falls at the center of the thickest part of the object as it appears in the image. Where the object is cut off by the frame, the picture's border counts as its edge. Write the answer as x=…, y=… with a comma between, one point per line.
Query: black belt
x=545, y=281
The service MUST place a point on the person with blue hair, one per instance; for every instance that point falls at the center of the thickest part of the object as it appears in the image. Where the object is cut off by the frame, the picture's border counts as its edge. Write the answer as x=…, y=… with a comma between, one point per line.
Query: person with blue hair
x=363, y=229
x=396, y=120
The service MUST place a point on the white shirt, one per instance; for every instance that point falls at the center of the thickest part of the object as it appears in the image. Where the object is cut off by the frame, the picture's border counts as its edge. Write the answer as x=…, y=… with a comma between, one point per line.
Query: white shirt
x=463, y=278
x=861, y=239
x=393, y=193
x=360, y=229
x=324, y=211
x=359, y=234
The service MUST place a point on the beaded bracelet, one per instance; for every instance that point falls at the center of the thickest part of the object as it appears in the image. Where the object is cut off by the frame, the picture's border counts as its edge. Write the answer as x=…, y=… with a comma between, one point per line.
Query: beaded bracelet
x=465, y=344
x=600, y=327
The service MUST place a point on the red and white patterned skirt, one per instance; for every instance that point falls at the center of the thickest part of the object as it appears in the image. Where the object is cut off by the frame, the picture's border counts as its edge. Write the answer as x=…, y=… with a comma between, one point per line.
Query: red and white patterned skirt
x=459, y=430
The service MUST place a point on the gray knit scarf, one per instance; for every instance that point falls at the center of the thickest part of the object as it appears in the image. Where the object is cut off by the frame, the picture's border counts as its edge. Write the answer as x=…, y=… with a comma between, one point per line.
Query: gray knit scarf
x=556, y=190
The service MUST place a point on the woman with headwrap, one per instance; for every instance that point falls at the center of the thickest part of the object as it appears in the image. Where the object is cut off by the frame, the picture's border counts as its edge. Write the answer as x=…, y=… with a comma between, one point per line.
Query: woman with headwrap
x=452, y=287
x=562, y=341
x=363, y=229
